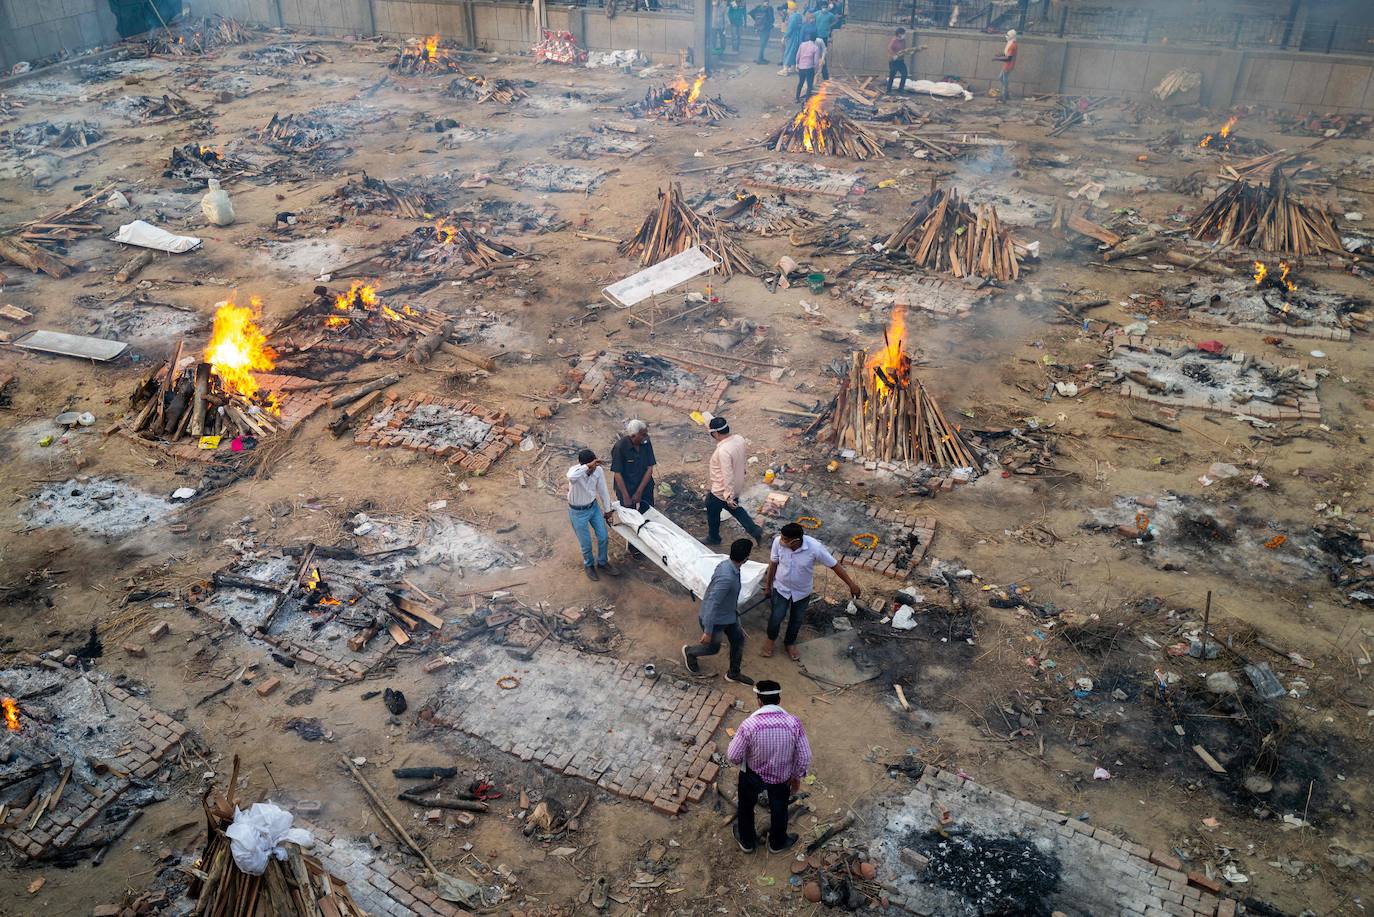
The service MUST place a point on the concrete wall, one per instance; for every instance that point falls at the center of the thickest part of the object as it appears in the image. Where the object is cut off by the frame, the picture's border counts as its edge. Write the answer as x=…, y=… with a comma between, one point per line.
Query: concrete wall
x=34, y=29
x=1279, y=79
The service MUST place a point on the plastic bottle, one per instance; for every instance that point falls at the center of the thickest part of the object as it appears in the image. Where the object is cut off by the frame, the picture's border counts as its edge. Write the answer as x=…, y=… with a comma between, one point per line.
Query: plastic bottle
x=216, y=205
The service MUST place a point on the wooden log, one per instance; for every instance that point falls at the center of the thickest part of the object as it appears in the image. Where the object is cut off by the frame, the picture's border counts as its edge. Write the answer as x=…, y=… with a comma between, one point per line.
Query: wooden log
x=1135, y=246
x=202, y=387
x=468, y=356
x=376, y=385
x=19, y=252
x=344, y=419
x=135, y=264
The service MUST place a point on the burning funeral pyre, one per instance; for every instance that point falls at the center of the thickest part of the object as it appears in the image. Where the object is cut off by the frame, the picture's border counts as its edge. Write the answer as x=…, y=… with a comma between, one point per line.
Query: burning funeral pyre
x=447, y=244
x=485, y=89
x=217, y=394
x=680, y=102
x=673, y=226
x=197, y=163
x=1270, y=300
x=885, y=414
x=944, y=234
x=194, y=37
x=373, y=195
x=1266, y=215
x=824, y=133
x=355, y=323
x=1225, y=140
x=423, y=56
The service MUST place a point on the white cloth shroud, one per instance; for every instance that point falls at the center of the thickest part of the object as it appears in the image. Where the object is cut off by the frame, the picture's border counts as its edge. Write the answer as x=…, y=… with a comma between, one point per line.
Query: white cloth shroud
x=680, y=555
x=259, y=833
x=146, y=235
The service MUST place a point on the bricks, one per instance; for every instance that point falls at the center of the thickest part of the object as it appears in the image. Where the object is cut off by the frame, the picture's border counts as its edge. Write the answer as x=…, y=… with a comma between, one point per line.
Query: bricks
x=268, y=686
x=1167, y=860
x=1226, y=908
x=159, y=630
x=135, y=650
x=1204, y=883
x=434, y=665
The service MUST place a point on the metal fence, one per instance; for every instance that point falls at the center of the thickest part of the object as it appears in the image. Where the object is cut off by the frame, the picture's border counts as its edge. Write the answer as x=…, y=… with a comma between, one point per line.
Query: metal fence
x=631, y=6
x=1114, y=24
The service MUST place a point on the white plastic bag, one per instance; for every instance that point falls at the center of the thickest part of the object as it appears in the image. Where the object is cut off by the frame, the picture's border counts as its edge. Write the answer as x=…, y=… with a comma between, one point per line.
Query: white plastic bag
x=146, y=235
x=258, y=833
x=905, y=618
x=216, y=205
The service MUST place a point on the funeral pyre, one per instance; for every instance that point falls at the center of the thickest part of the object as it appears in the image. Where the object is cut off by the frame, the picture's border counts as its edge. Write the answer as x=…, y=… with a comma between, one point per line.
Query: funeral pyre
x=216, y=394
x=486, y=89
x=885, y=414
x=299, y=133
x=944, y=234
x=52, y=135
x=447, y=244
x=766, y=216
x=1271, y=300
x=285, y=56
x=196, y=162
x=193, y=37
x=296, y=885
x=355, y=323
x=674, y=226
x=374, y=195
x=424, y=56
x=824, y=132
x=1266, y=215
x=1225, y=140
x=680, y=102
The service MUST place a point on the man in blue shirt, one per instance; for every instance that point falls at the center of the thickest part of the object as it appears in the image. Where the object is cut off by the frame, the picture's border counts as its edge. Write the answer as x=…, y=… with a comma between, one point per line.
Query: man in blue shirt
x=720, y=616
x=825, y=26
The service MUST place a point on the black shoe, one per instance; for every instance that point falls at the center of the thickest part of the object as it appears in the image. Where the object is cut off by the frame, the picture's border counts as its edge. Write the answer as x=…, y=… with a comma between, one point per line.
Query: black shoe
x=608, y=569
x=739, y=678
x=790, y=843
x=712, y=541
x=689, y=661
x=740, y=842
x=591, y=572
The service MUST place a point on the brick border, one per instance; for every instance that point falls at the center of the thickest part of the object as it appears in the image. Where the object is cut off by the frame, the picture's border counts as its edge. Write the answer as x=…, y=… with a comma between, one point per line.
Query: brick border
x=160, y=734
x=1174, y=892
x=674, y=778
x=386, y=428
x=594, y=378
x=395, y=883
x=1307, y=408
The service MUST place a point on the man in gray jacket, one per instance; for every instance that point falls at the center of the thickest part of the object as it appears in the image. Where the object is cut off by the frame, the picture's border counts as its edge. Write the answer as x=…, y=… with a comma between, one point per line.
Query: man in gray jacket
x=720, y=616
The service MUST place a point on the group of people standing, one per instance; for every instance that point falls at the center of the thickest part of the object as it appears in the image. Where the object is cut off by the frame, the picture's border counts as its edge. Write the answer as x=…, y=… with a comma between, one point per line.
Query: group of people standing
x=808, y=30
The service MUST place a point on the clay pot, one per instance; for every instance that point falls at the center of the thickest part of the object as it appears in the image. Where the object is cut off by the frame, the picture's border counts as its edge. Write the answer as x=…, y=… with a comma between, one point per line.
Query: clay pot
x=811, y=891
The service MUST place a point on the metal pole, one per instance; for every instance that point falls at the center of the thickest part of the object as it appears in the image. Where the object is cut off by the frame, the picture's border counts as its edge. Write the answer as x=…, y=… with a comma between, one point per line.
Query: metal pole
x=1145, y=38
x=1235, y=39
x=1063, y=19
x=1206, y=623
x=1025, y=8
x=1331, y=36
x=1288, y=23
x=912, y=24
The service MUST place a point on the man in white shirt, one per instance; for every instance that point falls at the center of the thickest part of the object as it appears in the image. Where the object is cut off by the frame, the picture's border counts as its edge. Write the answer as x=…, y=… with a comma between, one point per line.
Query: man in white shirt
x=790, y=578
x=589, y=509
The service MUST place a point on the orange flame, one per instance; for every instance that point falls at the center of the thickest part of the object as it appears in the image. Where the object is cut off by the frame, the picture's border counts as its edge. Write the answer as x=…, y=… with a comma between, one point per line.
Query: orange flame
x=1289, y=285
x=238, y=347
x=337, y=321
x=1261, y=272
x=696, y=90
x=891, y=359
x=1223, y=133
x=359, y=292
x=11, y=713
x=431, y=50
x=445, y=232
x=813, y=122
x=390, y=312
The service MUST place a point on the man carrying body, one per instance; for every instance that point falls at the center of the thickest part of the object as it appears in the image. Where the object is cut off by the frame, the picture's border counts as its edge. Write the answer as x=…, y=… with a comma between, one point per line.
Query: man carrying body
x=1008, y=59
x=791, y=575
x=773, y=755
x=632, y=465
x=720, y=616
x=726, y=469
x=589, y=509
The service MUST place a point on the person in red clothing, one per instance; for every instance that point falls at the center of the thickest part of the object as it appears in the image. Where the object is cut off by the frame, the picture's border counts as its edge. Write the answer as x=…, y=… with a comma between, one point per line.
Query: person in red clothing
x=1008, y=59
x=896, y=59
x=773, y=755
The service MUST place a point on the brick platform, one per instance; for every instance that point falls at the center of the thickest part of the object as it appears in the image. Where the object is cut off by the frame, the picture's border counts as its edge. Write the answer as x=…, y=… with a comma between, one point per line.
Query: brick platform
x=462, y=433
x=941, y=298
x=801, y=178
x=842, y=518
x=381, y=889
x=597, y=375
x=71, y=725
x=1100, y=872
x=1137, y=353
x=591, y=717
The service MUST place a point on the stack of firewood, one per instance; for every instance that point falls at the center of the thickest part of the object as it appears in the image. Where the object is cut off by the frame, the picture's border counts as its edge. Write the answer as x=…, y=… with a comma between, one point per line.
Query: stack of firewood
x=673, y=103
x=422, y=57
x=285, y=55
x=52, y=135
x=1296, y=166
x=885, y=415
x=373, y=195
x=813, y=130
x=297, y=133
x=1267, y=216
x=486, y=90
x=184, y=398
x=170, y=105
x=197, y=36
x=23, y=246
x=441, y=245
x=673, y=226
x=944, y=234
x=298, y=886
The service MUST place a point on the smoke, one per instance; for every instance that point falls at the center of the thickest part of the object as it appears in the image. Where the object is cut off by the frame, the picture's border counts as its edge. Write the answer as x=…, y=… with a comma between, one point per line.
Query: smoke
x=135, y=17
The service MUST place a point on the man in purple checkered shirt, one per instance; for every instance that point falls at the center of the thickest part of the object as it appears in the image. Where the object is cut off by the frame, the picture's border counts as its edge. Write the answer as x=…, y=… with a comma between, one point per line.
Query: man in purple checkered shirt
x=772, y=754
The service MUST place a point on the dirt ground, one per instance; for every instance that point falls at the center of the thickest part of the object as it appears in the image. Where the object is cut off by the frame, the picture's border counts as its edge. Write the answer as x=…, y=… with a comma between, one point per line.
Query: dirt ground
x=977, y=705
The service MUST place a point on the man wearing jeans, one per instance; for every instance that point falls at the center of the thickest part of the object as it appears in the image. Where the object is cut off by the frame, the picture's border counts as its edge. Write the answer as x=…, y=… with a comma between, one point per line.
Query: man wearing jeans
x=589, y=508
x=773, y=755
x=726, y=469
x=790, y=578
x=720, y=616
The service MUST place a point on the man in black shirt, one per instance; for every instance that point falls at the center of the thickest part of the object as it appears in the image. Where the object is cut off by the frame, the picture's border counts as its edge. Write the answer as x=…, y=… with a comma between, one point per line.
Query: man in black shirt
x=632, y=464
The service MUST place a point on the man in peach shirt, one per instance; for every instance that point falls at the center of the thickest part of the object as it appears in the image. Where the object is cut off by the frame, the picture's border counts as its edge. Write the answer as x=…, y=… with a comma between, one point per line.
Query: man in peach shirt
x=727, y=466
